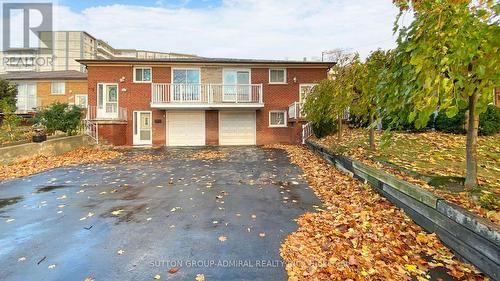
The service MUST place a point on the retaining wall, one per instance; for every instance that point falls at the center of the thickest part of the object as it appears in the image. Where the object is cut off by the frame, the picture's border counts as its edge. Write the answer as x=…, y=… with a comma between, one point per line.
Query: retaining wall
x=50, y=147
x=471, y=237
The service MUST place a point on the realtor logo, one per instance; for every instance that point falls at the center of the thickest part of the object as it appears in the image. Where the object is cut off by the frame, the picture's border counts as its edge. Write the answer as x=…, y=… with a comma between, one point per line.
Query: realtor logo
x=28, y=12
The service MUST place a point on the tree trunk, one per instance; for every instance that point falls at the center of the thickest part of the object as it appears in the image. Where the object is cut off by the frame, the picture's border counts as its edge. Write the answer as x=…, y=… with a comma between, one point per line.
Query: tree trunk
x=372, y=134
x=339, y=128
x=471, y=146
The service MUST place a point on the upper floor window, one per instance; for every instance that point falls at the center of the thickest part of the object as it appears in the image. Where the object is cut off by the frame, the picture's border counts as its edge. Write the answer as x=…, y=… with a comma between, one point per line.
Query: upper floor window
x=277, y=76
x=58, y=88
x=186, y=84
x=142, y=74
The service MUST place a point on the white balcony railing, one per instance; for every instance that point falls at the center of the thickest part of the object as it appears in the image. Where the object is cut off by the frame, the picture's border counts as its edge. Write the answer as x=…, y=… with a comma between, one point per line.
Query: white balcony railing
x=162, y=93
x=295, y=110
x=110, y=112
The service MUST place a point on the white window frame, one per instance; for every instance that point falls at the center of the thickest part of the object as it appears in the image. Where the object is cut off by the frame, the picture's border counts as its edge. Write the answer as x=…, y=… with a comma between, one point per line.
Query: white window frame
x=312, y=85
x=284, y=76
x=185, y=68
x=142, y=68
x=52, y=88
x=86, y=100
x=284, y=119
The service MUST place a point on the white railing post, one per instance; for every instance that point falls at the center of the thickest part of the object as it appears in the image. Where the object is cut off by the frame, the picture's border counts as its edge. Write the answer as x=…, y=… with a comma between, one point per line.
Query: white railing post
x=260, y=93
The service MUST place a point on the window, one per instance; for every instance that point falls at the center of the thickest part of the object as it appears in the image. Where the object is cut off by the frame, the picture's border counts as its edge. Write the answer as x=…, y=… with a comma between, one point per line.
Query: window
x=304, y=91
x=277, y=76
x=236, y=85
x=58, y=88
x=26, y=97
x=277, y=118
x=142, y=75
x=81, y=101
x=186, y=84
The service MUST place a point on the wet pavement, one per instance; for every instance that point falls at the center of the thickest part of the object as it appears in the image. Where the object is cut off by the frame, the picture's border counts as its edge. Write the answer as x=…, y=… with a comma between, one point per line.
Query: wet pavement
x=131, y=219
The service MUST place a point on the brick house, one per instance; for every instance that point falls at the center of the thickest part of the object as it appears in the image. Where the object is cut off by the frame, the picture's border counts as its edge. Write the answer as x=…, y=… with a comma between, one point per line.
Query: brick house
x=199, y=101
x=38, y=89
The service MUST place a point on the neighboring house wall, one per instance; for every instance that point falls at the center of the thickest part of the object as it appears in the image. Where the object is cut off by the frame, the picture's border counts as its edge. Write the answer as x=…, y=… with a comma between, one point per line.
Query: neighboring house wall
x=45, y=96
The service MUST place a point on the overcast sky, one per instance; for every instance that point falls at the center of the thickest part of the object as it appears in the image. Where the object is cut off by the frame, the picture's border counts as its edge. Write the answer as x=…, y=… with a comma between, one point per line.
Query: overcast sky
x=268, y=29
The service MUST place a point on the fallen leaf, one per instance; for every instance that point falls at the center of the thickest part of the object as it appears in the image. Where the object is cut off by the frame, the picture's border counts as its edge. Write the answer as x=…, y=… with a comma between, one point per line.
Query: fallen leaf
x=157, y=277
x=200, y=277
x=120, y=252
x=52, y=266
x=222, y=238
x=173, y=270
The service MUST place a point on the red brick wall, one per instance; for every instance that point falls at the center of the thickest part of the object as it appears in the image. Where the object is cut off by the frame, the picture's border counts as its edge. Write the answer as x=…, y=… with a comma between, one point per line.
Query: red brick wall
x=212, y=127
x=279, y=97
x=137, y=96
x=113, y=133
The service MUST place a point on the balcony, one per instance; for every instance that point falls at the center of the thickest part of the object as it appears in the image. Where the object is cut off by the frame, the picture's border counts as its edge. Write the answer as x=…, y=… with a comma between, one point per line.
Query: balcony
x=295, y=110
x=206, y=96
x=110, y=112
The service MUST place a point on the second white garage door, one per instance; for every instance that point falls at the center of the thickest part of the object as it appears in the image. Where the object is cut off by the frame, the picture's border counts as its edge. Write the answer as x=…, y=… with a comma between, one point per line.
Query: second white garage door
x=186, y=128
x=237, y=128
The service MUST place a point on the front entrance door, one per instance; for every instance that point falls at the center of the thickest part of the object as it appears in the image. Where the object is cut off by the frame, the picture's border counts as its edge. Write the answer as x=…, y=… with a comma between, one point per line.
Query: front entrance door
x=107, y=101
x=142, y=128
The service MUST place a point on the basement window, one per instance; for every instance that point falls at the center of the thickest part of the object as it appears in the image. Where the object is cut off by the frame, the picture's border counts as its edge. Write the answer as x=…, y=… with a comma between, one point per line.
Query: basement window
x=277, y=118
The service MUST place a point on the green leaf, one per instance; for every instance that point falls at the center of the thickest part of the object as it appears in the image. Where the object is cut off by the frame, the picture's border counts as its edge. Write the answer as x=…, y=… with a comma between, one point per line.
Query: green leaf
x=412, y=116
x=451, y=111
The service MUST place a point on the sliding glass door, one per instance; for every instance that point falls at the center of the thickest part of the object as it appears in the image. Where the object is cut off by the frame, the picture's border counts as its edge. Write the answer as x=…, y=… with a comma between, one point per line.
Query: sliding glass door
x=237, y=85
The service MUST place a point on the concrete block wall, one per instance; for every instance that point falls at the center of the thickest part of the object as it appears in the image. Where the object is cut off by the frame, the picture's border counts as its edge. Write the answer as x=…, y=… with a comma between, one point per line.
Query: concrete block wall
x=471, y=237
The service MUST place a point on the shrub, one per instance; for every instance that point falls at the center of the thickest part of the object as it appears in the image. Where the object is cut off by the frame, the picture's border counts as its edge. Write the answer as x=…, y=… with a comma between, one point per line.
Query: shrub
x=489, y=121
x=455, y=124
x=10, y=121
x=60, y=117
x=324, y=127
x=8, y=92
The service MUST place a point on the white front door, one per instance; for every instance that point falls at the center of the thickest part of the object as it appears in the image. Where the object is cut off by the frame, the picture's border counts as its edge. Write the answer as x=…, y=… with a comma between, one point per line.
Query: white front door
x=186, y=128
x=107, y=101
x=237, y=128
x=143, y=133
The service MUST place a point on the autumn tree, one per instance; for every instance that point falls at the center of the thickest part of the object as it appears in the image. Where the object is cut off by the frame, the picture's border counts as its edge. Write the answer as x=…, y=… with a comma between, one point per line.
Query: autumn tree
x=366, y=102
x=8, y=92
x=317, y=108
x=447, y=57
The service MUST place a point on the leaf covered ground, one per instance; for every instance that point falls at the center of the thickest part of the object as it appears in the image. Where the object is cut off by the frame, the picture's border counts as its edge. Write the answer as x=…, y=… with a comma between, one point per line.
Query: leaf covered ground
x=41, y=163
x=360, y=235
x=435, y=154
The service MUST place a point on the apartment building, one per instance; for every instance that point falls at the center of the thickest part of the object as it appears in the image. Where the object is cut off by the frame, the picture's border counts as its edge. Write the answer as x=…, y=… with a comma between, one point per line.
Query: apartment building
x=198, y=101
x=67, y=47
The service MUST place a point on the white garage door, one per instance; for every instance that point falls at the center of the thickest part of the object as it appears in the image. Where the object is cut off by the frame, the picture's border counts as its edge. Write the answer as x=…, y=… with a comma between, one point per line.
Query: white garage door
x=186, y=128
x=237, y=128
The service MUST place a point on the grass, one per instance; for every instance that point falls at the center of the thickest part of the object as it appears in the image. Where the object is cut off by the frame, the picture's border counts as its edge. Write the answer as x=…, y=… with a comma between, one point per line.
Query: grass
x=432, y=154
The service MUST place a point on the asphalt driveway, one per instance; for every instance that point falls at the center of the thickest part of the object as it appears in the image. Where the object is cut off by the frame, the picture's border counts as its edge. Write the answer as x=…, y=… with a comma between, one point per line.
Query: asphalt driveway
x=132, y=219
